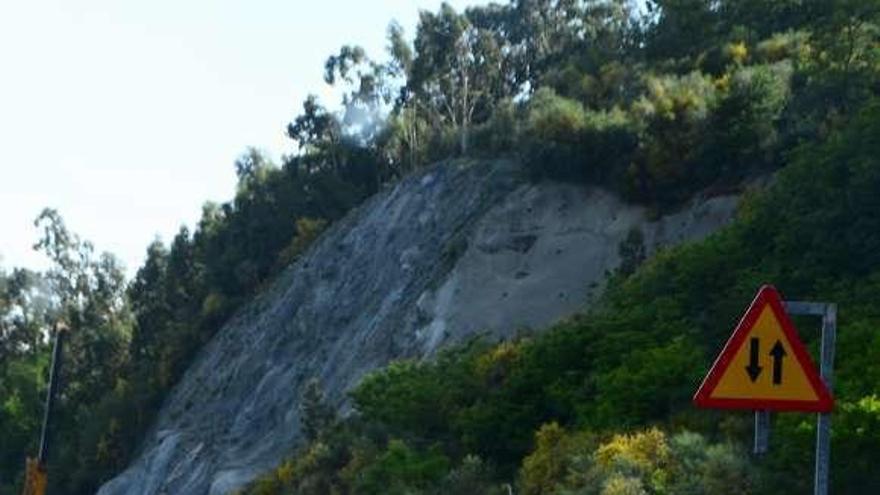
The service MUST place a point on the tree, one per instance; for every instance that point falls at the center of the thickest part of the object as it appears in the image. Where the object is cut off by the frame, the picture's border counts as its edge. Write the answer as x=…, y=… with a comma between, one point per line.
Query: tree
x=90, y=292
x=680, y=28
x=554, y=34
x=367, y=91
x=456, y=72
x=745, y=125
x=753, y=20
x=542, y=31
x=317, y=133
x=400, y=51
x=672, y=116
x=847, y=34
x=317, y=415
x=250, y=168
x=26, y=310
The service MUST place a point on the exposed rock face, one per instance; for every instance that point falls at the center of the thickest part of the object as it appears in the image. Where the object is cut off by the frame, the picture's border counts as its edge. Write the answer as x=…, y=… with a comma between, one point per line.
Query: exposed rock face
x=461, y=248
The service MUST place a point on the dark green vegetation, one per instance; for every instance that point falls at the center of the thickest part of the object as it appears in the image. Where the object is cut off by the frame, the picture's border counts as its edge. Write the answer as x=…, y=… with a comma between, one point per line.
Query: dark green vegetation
x=696, y=95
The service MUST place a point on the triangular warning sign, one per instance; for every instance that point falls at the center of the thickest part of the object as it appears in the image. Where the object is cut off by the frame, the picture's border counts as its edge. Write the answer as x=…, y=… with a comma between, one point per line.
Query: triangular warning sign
x=764, y=365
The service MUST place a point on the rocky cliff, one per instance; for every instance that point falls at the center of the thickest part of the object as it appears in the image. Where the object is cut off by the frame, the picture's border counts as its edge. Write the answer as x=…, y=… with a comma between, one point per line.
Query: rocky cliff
x=462, y=248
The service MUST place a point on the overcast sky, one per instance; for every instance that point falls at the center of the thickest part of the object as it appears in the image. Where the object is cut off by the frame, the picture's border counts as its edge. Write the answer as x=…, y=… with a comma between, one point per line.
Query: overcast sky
x=127, y=115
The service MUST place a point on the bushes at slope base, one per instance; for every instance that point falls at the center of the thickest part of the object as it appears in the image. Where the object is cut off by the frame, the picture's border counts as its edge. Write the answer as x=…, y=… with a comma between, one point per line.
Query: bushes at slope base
x=573, y=463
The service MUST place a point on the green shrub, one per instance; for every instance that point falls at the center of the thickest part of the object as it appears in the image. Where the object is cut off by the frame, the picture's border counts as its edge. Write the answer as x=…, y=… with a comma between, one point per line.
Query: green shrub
x=497, y=136
x=402, y=470
x=672, y=119
x=744, y=128
x=562, y=140
x=552, y=136
x=790, y=45
x=554, y=118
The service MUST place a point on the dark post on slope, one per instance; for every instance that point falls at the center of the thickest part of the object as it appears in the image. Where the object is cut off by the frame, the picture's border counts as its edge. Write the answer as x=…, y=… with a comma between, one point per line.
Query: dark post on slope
x=35, y=474
x=60, y=332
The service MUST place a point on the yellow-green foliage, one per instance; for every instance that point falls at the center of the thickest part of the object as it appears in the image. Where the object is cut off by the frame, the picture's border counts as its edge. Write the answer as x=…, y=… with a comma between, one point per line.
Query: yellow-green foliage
x=542, y=469
x=594, y=88
x=546, y=469
x=619, y=484
x=312, y=472
x=673, y=115
x=737, y=52
x=643, y=462
x=406, y=148
x=554, y=117
x=564, y=140
x=677, y=98
x=213, y=304
x=646, y=453
x=307, y=230
x=791, y=45
x=274, y=481
x=494, y=365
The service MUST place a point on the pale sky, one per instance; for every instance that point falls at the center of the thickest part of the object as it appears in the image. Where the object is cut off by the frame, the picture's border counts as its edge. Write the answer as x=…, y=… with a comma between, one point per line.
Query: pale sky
x=127, y=115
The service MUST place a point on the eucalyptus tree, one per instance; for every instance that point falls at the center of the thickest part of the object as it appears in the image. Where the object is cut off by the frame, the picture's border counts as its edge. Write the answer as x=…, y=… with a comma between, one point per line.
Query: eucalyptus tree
x=455, y=75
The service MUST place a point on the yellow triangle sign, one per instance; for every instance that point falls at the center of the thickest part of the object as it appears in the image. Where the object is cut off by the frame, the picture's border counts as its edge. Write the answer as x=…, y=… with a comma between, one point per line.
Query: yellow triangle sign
x=764, y=365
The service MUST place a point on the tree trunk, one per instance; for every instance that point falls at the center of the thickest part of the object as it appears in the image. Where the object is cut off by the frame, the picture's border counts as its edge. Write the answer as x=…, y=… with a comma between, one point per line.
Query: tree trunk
x=463, y=139
x=465, y=115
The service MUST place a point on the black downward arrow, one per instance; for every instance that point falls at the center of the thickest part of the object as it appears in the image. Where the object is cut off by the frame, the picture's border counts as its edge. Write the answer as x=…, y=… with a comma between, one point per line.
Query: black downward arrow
x=753, y=369
x=778, y=352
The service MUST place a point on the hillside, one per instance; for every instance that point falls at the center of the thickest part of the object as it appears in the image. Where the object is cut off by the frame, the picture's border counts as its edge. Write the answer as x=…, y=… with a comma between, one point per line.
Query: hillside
x=522, y=171
x=467, y=248
x=600, y=403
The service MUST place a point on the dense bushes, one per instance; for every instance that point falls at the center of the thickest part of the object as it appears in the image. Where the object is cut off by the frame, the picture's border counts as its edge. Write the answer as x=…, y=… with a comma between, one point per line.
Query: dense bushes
x=564, y=141
x=673, y=115
x=646, y=461
x=682, y=134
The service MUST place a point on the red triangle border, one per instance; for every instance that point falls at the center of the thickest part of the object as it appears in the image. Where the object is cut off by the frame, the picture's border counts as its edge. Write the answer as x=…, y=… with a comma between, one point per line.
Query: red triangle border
x=767, y=295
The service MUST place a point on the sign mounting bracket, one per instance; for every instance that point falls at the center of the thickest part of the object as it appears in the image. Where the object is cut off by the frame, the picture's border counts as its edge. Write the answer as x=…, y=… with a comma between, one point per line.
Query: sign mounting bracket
x=828, y=312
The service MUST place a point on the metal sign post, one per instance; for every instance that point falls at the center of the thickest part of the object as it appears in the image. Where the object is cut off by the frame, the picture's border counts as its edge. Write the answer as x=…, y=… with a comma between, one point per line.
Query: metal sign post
x=828, y=312
x=762, y=432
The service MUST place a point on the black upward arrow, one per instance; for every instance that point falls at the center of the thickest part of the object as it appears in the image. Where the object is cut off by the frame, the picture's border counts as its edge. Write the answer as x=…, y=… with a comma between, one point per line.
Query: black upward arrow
x=778, y=352
x=753, y=369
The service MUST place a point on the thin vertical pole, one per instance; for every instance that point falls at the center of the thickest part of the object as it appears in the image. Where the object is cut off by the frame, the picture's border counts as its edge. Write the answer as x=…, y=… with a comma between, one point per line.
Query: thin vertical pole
x=762, y=432
x=823, y=427
x=43, y=456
